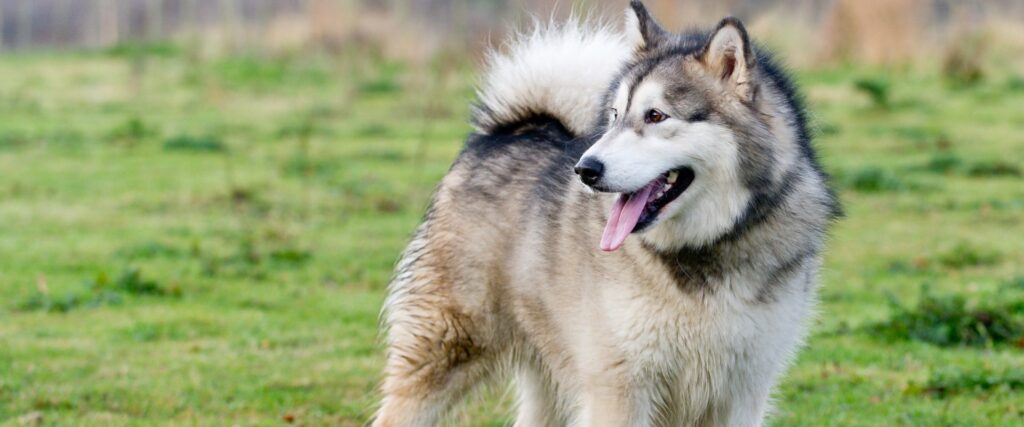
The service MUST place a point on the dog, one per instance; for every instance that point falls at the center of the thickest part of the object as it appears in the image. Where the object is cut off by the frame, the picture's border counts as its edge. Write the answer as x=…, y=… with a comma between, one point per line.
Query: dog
x=633, y=232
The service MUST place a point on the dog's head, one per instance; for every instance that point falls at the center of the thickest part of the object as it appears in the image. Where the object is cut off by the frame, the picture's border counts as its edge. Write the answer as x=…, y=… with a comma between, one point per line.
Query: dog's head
x=687, y=137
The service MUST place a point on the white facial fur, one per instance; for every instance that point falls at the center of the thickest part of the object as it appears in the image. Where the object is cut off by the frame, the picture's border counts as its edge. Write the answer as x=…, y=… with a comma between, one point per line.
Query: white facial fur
x=715, y=199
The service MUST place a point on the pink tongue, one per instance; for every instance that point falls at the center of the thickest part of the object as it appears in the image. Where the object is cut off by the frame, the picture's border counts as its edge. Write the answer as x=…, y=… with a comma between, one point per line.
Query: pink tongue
x=623, y=218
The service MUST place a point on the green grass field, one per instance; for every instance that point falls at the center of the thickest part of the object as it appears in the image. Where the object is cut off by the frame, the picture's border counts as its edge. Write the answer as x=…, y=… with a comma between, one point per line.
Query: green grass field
x=207, y=242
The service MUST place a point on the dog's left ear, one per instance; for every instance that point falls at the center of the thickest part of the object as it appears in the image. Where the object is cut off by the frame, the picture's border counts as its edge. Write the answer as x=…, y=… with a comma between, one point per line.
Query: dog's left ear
x=642, y=31
x=728, y=54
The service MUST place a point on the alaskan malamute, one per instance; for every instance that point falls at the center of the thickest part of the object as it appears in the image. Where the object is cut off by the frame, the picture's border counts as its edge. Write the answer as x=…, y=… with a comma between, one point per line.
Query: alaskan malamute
x=634, y=232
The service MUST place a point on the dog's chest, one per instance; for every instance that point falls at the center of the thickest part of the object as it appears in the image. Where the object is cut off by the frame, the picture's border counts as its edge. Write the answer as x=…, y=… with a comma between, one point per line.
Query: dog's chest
x=703, y=336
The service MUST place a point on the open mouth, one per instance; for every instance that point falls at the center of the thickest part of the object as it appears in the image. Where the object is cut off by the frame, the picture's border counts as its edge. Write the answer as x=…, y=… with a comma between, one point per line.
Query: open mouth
x=635, y=211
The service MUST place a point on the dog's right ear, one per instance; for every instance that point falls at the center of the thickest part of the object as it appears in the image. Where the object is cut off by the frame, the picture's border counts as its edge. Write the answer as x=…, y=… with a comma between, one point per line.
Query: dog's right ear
x=642, y=31
x=729, y=55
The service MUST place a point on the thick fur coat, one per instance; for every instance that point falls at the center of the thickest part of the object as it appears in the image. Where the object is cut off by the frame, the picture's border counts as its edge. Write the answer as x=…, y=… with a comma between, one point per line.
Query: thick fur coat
x=692, y=313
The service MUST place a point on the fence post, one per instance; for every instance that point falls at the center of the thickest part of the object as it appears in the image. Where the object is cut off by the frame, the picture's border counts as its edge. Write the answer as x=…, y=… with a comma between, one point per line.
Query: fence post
x=23, y=24
x=108, y=22
x=154, y=20
x=190, y=22
x=61, y=30
x=229, y=17
x=1, y=27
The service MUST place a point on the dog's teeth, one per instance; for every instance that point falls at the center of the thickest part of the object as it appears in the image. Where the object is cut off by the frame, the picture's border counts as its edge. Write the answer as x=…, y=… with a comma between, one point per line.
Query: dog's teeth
x=672, y=177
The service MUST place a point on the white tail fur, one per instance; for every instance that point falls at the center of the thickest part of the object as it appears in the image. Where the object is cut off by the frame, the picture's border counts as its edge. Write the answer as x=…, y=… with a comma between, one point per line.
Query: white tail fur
x=559, y=70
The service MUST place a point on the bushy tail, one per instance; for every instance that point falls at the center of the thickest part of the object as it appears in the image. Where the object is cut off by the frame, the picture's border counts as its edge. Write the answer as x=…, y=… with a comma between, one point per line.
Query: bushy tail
x=557, y=70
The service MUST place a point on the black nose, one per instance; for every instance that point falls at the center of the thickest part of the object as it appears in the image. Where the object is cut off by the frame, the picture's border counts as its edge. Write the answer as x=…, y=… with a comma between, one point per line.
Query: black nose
x=590, y=170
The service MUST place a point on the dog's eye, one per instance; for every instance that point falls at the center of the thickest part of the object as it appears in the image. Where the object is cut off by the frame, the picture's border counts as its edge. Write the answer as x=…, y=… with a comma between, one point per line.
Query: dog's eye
x=654, y=116
x=698, y=116
x=613, y=114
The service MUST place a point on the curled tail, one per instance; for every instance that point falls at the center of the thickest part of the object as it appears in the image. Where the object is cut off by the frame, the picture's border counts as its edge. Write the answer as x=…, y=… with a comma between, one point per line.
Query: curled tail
x=558, y=70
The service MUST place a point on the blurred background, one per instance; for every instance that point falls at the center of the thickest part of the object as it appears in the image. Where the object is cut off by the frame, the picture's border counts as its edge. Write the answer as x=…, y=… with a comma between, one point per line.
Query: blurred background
x=809, y=31
x=201, y=201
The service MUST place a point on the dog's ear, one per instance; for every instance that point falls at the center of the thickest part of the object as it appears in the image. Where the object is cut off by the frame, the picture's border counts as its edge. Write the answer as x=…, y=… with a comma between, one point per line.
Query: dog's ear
x=642, y=31
x=728, y=55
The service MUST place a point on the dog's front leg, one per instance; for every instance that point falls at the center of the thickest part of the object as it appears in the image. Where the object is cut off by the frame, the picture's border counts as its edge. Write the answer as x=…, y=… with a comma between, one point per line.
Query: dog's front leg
x=604, y=409
x=748, y=409
x=611, y=405
x=538, y=404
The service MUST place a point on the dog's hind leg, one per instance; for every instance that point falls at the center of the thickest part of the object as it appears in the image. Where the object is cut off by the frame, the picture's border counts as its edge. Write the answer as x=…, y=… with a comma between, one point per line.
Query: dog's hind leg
x=433, y=360
x=435, y=356
x=438, y=348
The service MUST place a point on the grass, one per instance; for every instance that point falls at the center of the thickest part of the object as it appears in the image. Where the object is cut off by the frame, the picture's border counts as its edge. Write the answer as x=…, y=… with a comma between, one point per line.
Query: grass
x=208, y=241
x=948, y=320
x=194, y=143
x=945, y=382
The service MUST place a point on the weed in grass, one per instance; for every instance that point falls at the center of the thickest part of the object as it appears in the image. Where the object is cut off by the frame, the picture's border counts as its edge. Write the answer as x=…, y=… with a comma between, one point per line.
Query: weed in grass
x=13, y=139
x=923, y=138
x=149, y=332
x=372, y=130
x=948, y=320
x=387, y=205
x=943, y=163
x=62, y=138
x=379, y=86
x=994, y=168
x=133, y=131
x=301, y=129
x=254, y=258
x=1015, y=83
x=241, y=196
x=917, y=266
x=98, y=291
x=876, y=88
x=191, y=143
x=149, y=250
x=951, y=381
x=243, y=200
x=46, y=403
x=383, y=155
x=301, y=165
x=131, y=282
x=290, y=256
x=1016, y=282
x=64, y=303
x=874, y=180
x=261, y=73
x=385, y=81
x=965, y=255
x=962, y=64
